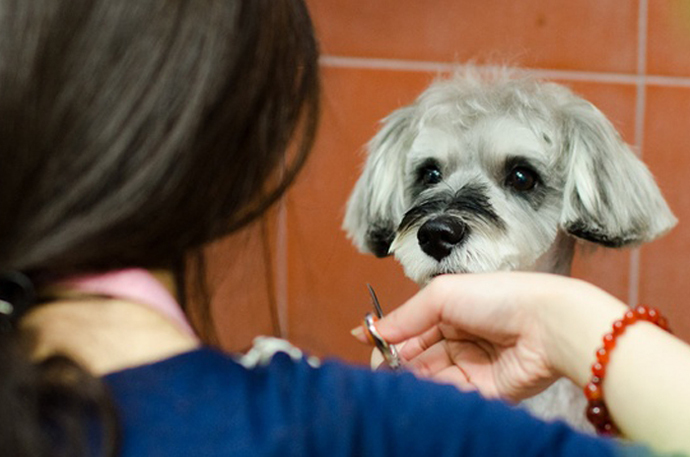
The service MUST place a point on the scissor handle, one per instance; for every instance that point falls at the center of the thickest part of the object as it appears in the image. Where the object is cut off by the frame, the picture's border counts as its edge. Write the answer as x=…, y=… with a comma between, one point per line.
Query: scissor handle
x=389, y=352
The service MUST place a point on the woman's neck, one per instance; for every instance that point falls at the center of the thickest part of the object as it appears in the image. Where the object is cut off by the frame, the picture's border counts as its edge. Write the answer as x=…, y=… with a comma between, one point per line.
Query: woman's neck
x=107, y=334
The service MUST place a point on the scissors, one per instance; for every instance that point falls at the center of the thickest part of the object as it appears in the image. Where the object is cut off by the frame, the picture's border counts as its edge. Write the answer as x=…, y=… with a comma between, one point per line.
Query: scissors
x=389, y=352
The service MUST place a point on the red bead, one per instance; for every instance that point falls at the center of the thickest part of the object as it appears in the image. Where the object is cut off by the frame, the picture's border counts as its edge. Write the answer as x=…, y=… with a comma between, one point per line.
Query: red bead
x=608, y=429
x=593, y=392
x=603, y=356
x=609, y=342
x=641, y=311
x=598, y=370
x=597, y=413
x=663, y=323
x=653, y=316
x=629, y=318
x=618, y=328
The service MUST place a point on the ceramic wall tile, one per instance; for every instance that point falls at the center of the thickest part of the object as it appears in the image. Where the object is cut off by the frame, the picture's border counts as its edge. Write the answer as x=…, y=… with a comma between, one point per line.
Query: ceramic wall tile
x=584, y=35
x=669, y=38
x=665, y=263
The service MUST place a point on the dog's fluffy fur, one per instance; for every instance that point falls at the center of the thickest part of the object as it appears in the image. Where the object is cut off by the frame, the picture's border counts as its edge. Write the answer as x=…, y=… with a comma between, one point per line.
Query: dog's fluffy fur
x=501, y=172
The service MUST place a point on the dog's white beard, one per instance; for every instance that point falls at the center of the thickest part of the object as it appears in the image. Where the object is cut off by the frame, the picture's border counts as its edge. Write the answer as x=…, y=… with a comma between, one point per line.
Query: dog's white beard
x=477, y=256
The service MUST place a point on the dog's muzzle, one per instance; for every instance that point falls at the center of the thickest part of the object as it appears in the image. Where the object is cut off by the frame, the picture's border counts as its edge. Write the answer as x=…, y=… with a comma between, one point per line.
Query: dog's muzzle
x=438, y=236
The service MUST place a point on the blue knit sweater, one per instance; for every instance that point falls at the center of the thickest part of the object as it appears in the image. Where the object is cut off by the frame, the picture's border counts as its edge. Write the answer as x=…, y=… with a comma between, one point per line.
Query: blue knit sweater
x=203, y=403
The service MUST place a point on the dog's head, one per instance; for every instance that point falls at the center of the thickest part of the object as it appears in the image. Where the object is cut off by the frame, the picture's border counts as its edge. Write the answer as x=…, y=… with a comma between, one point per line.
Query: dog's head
x=499, y=173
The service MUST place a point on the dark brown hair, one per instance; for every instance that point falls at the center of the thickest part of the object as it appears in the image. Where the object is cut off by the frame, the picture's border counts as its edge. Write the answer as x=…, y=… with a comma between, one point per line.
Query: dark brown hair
x=132, y=132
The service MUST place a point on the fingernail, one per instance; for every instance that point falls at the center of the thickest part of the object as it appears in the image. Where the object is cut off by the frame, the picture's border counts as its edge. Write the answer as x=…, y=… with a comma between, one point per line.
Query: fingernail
x=358, y=332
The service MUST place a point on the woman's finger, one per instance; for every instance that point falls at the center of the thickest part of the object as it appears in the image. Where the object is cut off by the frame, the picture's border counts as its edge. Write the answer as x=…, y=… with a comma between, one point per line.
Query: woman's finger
x=416, y=316
x=415, y=346
x=434, y=359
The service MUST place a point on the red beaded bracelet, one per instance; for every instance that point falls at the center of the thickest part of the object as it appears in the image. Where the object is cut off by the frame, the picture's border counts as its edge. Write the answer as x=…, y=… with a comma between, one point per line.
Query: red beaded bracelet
x=597, y=412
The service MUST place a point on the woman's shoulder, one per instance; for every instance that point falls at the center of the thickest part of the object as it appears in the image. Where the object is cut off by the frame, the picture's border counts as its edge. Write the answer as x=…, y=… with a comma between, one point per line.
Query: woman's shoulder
x=268, y=357
x=208, y=402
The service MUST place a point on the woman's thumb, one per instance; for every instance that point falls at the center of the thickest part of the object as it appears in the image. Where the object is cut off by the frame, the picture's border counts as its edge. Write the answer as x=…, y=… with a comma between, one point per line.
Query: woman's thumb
x=414, y=317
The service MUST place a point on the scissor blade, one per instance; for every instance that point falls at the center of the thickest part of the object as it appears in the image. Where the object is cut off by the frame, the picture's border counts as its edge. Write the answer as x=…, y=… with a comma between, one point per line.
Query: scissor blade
x=375, y=301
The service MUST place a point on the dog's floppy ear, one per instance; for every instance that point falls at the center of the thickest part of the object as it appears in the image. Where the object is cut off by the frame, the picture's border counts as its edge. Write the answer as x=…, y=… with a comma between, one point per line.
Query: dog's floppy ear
x=610, y=197
x=377, y=202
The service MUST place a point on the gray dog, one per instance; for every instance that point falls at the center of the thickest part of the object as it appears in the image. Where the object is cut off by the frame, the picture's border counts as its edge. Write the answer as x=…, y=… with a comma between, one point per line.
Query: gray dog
x=501, y=172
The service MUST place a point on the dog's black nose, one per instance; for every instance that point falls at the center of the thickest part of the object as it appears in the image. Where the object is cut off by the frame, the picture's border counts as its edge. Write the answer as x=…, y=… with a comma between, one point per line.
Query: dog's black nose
x=437, y=237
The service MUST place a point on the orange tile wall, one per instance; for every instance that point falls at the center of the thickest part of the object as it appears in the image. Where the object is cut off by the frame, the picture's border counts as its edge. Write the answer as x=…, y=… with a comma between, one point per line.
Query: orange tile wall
x=629, y=57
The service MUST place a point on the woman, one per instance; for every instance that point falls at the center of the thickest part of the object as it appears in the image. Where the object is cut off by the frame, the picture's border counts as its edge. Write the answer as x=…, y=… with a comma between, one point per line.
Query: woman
x=132, y=133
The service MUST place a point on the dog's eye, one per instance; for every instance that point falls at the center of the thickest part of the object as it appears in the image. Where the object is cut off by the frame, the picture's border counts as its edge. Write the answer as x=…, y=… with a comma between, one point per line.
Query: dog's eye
x=522, y=179
x=430, y=175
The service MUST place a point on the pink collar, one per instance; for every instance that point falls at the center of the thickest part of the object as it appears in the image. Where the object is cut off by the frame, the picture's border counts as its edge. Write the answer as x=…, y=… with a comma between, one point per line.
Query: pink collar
x=137, y=285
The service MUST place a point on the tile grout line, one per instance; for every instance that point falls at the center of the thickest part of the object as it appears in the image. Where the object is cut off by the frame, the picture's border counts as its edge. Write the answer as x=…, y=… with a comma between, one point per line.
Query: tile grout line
x=640, y=113
x=571, y=75
x=281, y=267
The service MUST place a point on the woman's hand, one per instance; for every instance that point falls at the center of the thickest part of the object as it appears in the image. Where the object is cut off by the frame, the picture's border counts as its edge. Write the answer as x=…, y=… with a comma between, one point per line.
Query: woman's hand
x=511, y=334
x=487, y=332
